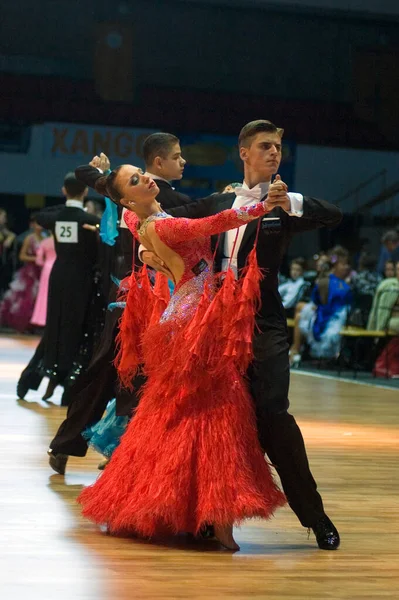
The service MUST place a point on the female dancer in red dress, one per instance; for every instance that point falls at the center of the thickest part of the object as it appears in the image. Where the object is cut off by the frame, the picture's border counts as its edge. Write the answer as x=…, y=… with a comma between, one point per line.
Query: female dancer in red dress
x=190, y=456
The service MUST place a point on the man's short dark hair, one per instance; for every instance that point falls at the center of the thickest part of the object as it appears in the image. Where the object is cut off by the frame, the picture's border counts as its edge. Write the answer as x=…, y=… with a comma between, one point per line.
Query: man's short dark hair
x=251, y=129
x=73, y=186
x=158, y=144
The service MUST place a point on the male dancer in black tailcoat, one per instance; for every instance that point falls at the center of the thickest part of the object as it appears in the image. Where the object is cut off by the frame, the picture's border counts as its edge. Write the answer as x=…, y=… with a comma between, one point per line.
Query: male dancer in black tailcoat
x=69, y=326
x=260, y=145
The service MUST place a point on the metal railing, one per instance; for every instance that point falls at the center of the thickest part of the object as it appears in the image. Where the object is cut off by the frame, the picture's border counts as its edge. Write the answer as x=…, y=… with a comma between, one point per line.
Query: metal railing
x=354, y=193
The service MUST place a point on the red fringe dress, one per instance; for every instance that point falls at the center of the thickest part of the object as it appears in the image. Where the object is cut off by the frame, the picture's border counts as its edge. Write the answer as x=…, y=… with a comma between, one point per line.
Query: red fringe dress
x=191, y=454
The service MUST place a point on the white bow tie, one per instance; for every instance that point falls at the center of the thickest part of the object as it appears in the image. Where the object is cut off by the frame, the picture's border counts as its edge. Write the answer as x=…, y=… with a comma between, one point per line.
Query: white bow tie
x=254, y=194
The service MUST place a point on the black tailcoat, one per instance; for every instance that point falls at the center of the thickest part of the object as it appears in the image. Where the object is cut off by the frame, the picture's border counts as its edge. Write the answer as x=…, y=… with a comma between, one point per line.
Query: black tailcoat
x=70, y=283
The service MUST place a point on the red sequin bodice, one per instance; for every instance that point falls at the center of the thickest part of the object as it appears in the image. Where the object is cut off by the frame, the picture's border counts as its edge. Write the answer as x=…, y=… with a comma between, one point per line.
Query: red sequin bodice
x=190, y=238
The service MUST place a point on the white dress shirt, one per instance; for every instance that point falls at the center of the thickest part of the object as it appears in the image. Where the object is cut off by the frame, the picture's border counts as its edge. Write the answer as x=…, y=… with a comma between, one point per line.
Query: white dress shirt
x=74, y=204
x=255, y=194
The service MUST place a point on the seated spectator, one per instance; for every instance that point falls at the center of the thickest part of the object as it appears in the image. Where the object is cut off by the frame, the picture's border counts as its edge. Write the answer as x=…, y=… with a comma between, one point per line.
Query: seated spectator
x=290, y=290
x=321, y=321
x=389, y=249
x=364, y=248
x=389, y=269
x=317, y=262
x=342, y=254
x=310, y=276
x=17, y=305
x=385, y=309
x=364, y=285
x=7, y=239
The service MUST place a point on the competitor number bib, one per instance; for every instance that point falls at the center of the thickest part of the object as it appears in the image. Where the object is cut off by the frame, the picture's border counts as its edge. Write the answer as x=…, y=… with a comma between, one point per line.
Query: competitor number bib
x=66, y=232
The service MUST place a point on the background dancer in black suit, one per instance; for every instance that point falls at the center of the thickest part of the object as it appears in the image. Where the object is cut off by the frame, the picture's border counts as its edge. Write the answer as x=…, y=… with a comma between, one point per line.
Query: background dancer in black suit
x=67, y=339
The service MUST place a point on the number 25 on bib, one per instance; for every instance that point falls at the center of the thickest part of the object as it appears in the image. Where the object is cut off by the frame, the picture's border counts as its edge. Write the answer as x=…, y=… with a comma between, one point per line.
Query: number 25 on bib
x=66, y=232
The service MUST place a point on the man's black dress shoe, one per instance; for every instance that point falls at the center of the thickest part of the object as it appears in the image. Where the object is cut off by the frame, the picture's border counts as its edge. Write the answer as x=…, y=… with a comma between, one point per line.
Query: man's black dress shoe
x=327, y=536
x=22, y=390
x=58, y=462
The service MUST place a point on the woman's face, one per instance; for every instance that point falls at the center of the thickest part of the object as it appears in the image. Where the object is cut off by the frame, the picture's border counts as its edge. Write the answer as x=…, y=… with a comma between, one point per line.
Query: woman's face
x=389, y=269
x=3, y=217
x=342, y=268
x=136, y=189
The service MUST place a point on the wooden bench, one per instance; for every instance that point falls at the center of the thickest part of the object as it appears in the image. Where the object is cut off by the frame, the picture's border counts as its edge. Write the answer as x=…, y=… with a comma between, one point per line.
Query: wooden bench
x=358, y=333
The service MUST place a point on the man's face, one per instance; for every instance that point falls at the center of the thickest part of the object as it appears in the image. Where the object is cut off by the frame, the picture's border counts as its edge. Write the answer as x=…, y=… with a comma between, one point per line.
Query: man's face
x=263, y=156
x=172, y=167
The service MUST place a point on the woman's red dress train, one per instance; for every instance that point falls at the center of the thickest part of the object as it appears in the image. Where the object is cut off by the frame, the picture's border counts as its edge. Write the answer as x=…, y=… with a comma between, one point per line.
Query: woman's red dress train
x=190, y=455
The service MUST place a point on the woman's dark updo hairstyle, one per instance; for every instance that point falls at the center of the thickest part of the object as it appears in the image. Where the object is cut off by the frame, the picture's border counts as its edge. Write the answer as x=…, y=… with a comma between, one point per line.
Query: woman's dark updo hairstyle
x=105, y=186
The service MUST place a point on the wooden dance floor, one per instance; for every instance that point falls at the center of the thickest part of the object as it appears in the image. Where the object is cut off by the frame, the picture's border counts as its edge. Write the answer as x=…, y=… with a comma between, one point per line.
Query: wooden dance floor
x=48, y=551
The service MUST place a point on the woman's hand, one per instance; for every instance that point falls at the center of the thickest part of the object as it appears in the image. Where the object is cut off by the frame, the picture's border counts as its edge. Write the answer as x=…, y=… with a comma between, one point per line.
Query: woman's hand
x=100, y=162
x=152, y=260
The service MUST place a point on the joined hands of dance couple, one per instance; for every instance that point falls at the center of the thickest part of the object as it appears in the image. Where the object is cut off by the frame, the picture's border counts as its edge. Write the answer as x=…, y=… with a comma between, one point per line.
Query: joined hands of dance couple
x=193, y=453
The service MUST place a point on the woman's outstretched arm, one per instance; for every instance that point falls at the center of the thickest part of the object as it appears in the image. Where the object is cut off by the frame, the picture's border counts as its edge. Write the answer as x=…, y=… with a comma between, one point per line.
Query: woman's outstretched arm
x=173, y=231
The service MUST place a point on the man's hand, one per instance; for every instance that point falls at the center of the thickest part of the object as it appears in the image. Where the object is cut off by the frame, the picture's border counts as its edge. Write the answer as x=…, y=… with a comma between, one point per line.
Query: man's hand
x=152, y=260
x=277, y=195
x=100, y=162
